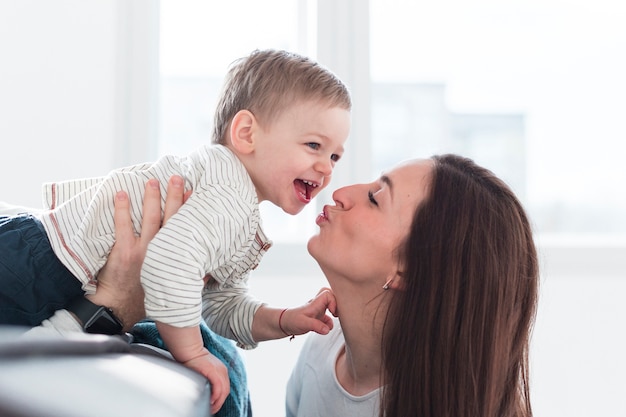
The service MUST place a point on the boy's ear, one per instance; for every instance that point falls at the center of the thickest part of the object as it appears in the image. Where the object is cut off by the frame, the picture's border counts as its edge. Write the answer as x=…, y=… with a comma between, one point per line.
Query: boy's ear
x=241, y=131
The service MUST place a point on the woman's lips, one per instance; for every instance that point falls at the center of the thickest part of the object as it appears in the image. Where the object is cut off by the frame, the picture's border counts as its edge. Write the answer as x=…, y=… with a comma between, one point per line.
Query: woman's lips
x=322, y=217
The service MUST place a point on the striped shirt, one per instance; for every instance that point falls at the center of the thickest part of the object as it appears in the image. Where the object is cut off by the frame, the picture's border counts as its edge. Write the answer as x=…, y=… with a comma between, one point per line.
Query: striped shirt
x=217, y=231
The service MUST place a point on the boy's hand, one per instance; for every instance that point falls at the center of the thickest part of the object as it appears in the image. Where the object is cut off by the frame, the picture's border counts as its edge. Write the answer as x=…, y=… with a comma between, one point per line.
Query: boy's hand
x=215, y=371
x=310, y=316
x=187, y=347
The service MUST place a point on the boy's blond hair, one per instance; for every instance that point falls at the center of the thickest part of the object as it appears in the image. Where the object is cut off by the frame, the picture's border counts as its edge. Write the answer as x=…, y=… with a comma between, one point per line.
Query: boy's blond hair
x=268, y=81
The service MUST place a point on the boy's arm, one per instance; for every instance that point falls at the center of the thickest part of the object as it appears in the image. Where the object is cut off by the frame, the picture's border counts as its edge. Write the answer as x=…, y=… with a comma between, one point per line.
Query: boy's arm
x=184, y=343
x=230, y=312
x=275, y=323
x=187, y=347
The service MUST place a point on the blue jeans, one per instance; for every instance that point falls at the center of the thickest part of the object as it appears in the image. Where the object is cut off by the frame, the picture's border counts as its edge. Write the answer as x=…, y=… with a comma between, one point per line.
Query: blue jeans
x=33, y=282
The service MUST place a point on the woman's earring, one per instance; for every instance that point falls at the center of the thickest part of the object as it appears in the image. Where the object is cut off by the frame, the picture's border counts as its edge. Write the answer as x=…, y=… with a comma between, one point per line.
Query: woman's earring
x=386, y=286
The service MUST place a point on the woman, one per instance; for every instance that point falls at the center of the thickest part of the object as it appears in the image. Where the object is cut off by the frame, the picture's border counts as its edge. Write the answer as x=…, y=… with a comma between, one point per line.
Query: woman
x=435, y=276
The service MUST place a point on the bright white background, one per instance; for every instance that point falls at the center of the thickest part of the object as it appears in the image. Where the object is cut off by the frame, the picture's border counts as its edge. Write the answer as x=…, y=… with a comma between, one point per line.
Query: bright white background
x=81, y=92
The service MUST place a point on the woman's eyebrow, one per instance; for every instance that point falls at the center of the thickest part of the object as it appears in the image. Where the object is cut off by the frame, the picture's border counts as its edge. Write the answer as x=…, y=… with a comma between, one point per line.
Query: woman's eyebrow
x=385, y=179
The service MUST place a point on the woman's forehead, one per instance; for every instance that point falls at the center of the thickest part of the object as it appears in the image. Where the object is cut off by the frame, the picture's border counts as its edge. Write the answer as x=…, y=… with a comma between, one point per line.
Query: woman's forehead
x=409, y=182
x=406, y=172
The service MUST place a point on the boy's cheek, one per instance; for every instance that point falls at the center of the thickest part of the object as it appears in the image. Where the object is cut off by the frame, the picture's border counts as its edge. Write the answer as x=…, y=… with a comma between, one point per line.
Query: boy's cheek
x=322, y=186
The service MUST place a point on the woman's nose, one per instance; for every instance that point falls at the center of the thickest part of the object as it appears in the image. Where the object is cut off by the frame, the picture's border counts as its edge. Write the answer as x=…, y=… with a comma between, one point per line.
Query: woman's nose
x=345, y=196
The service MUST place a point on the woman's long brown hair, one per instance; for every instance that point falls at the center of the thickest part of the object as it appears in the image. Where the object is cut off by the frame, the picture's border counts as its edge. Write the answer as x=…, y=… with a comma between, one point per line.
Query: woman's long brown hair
x=456, y=337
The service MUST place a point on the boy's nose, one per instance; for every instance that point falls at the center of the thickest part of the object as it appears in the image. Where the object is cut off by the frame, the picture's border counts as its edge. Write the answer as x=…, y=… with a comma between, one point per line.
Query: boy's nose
x=324, y=167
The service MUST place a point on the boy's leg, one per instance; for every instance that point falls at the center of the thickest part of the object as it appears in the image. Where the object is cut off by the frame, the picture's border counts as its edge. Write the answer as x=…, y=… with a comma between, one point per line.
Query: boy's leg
x=33, y=282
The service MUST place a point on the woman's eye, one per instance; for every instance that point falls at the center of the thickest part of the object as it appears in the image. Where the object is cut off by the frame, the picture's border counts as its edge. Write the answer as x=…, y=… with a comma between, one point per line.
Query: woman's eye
x=370, y=195
x=313, y=145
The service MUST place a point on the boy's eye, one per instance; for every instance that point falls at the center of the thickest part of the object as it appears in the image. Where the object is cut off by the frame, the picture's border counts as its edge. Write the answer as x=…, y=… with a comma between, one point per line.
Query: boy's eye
x=334, y=157
x=313, y=145
x=370, y=195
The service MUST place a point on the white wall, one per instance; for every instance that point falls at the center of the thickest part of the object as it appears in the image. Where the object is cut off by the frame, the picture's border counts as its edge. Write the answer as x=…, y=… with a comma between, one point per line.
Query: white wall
x=72, y=80
x=57, y=93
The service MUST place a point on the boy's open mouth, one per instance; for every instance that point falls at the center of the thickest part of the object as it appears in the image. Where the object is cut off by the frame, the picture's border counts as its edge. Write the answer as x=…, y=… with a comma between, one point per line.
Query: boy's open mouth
x=304, y=189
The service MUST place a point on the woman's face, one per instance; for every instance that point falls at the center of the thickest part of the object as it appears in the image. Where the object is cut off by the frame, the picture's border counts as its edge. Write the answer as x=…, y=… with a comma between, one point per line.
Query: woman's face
x=360, y=233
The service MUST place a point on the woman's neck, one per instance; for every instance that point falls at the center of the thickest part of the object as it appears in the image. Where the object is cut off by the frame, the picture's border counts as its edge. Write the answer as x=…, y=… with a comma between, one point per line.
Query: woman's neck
x=358, y=365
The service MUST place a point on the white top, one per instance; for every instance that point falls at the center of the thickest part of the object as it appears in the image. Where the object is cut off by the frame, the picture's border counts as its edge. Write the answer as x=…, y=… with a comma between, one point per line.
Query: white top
x=217, y=231
x=313, y=389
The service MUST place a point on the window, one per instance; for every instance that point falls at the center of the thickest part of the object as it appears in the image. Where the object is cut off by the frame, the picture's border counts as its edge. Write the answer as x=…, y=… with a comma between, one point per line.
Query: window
x=516, y=86
x=519, y=87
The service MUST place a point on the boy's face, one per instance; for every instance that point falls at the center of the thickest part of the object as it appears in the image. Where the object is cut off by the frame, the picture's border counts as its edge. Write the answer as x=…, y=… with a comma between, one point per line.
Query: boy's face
x=294, y=156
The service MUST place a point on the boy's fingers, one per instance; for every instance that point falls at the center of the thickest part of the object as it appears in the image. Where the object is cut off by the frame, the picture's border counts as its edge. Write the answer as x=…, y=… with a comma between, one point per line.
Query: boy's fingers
x=331, y=301
x=217, y=398
x=175, y=197
x=324, y=290
x=328, y=321
x=319, y=326
x=332, y=304
x=151, y=222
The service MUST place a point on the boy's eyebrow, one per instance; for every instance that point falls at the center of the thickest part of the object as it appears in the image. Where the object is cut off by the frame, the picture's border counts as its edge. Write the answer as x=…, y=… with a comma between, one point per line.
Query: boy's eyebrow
x=327, y=139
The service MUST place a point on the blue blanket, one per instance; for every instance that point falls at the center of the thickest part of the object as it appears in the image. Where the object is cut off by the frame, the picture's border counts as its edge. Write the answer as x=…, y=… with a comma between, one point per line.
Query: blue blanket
x=237, y=403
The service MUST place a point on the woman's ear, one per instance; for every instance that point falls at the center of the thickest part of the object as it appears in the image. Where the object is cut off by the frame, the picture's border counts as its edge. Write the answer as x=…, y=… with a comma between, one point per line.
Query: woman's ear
x=400, y=277
x=396, y=282
x=241, y=131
